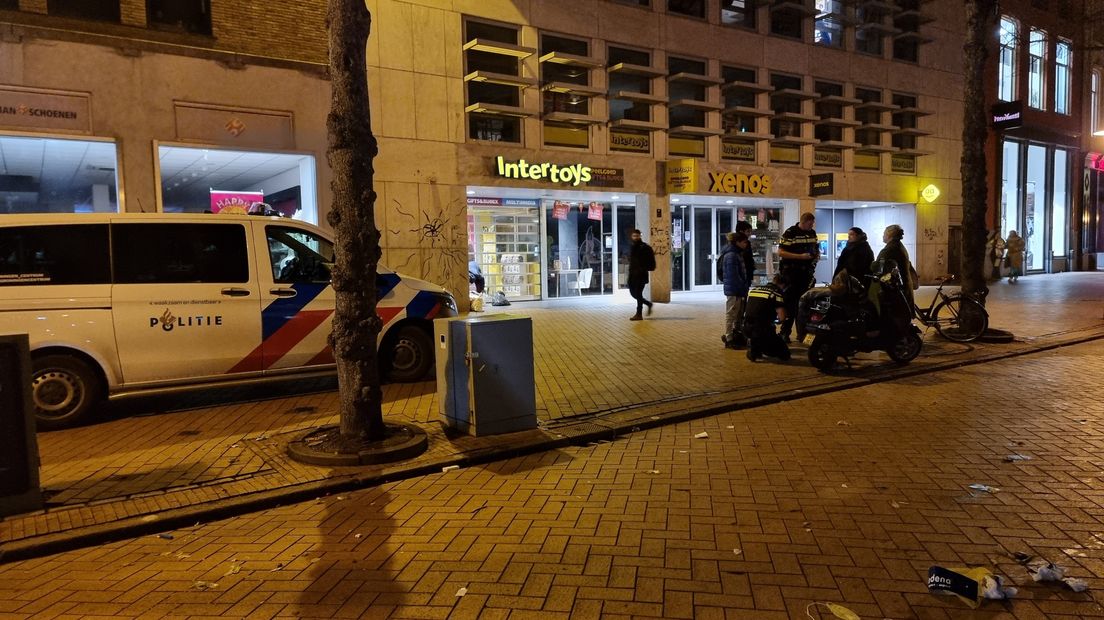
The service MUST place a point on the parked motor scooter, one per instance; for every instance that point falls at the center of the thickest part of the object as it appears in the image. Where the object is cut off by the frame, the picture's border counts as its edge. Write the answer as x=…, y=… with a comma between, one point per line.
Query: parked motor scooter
x=848, y=321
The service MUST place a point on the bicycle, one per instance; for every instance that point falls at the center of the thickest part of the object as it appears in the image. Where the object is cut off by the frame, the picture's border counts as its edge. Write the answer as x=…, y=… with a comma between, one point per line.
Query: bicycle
x=956, y=316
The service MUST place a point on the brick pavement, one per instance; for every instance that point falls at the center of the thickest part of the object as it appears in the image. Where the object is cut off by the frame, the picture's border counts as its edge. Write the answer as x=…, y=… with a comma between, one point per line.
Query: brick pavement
x=845, y=497
x=148, y=459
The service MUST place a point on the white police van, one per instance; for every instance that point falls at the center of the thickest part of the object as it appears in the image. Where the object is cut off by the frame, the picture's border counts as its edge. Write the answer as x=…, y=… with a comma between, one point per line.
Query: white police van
x=120, y=304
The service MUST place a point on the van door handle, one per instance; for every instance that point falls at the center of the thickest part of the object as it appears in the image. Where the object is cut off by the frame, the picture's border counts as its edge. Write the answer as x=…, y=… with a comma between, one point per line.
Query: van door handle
x=235, y=292
x=283, y=292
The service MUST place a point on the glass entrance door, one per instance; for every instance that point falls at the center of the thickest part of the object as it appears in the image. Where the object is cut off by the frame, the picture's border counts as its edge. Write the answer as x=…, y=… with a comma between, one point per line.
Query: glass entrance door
x=708, y=238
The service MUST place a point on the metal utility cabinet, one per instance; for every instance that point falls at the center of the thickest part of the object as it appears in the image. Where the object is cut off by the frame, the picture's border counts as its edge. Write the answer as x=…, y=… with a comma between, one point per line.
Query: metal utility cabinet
x=485, y=382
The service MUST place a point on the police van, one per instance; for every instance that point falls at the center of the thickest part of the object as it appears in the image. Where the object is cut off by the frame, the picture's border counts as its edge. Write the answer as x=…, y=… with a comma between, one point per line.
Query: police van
x=126, y=303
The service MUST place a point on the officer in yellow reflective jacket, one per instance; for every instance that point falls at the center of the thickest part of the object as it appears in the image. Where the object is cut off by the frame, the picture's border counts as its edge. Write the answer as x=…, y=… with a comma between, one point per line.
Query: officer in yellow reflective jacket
x=764, y=305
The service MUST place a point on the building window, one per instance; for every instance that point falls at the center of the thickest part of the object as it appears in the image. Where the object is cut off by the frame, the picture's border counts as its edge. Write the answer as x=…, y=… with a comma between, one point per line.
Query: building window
x=741, y=104
x=565, y=80
x=1036, y=69
x=55, y=254
x=494, y=82
x=692, y=8
x=1009, y=56
x=1063, y=58
x=1060, y=204
x=738, y=13
x=636, y=2
x=870, y=29
x=906, y=43
x=828, y=28
x=100, y=10
x=1094, y=101
x=48, y=175
x=904, y=119
x=630, y=90
x=787, y=120
x=9, y=5
x=684, y=93
x=787, y=21
x=191, y=16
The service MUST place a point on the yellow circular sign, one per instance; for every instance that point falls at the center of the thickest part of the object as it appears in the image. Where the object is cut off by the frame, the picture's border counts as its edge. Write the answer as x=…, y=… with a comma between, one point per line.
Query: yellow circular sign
x=930, y=193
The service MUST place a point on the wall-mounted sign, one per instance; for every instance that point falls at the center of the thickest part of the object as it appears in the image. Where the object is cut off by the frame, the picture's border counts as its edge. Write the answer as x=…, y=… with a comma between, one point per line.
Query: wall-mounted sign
x=565, y=174
x=594, y=211
x=559, y=210
x=821, y=184
x=477, y=201
x=743, y=151
x=930, y=193
x=631, y=141
x=681, y=176
x=828, y=157
x=607, y=177
x=904, y=164
x=30, y=108
x=234, y=203
x=210, y=124
x=730, y=183
x=1007, y=115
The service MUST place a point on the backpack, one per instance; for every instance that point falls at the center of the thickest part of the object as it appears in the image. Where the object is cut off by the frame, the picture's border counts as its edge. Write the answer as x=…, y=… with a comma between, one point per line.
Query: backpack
x=649, y=258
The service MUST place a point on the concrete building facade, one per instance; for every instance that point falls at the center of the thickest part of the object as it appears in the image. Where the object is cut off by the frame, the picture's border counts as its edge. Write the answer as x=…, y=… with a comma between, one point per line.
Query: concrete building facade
x=528, y=137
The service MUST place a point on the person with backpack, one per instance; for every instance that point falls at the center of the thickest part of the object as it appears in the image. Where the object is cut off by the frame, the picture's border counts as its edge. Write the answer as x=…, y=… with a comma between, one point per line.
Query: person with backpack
x=732, y=271
x=641, y=261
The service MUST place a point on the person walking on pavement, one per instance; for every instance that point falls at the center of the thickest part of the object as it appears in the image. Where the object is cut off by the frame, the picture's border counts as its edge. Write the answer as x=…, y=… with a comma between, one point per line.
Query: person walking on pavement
x=749, y=255
x=856, y=256
x=994, y=252
x=764, y=305
x=799, y=250
x=732, y=270
x=895, y=250
x=1015, y=245
x=641, y=261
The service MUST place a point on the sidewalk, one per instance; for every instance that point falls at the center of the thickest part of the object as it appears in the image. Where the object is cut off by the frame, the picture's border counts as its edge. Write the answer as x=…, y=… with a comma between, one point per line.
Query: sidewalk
x=161, y=462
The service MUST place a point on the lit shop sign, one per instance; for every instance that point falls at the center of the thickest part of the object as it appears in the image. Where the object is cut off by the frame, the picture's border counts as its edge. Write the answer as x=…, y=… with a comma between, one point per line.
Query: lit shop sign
x=568, y=174
x=1007, y=115
x=730, y=183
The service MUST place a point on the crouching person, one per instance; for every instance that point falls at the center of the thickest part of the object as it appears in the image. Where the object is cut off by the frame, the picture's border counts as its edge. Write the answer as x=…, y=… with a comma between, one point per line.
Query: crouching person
x=764, y=305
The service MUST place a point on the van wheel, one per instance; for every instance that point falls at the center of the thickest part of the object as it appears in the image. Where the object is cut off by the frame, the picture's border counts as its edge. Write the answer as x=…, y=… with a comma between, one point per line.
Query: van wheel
x=63, y=390
x=411, y=354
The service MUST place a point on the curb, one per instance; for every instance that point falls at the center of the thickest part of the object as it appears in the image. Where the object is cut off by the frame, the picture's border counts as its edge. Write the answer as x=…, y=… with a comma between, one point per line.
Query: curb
x=570, y=433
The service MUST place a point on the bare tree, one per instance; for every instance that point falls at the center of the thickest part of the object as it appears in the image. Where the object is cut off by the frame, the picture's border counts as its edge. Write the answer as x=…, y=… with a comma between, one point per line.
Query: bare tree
x=980, y=18
x=352, y=147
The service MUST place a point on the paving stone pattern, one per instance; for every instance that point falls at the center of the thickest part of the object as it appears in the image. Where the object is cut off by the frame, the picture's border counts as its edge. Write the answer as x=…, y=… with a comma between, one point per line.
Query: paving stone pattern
x=159, y=454
x=847, y=497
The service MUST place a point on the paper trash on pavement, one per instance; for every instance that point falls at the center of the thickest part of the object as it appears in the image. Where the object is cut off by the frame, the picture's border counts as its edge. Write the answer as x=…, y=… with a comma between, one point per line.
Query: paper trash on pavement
x=971, y=585
x=702, y=435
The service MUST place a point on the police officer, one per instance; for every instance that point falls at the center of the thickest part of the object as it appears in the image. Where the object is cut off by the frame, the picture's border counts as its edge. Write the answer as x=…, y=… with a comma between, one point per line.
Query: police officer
x=799, y=250
x=764, y=304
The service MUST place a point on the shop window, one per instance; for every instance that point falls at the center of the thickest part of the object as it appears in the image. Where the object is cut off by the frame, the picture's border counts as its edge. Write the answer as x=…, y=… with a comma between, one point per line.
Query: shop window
x=1035, y=206
x=99, y=10
x=505, y=244
x=1063, y=58
x=190, y=16
x=1060, y=204
x=787, y=22
x=1010, y=187
x=197, y=180
x=65, y=254
x=499, y=92
x=1009, y=59
x=738, y=13
x=1036, y=69
x=828, y=27
x=579, y=243
x=179, y=253
x=691, y=8
x=46, y=175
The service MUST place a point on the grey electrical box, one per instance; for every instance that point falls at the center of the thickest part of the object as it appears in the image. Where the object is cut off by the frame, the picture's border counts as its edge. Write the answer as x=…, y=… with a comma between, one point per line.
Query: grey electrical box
x=19, y=490
x=485, y=379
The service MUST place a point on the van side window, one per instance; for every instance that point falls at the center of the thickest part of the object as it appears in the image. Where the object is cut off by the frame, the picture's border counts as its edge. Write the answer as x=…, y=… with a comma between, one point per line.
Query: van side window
x=298, y=255
x=179, y=253
x=65, y=254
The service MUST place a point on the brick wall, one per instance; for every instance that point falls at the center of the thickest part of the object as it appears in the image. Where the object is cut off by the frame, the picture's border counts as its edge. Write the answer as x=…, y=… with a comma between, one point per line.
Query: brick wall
x=290, y=29
x=133, y=12
x=32, y=6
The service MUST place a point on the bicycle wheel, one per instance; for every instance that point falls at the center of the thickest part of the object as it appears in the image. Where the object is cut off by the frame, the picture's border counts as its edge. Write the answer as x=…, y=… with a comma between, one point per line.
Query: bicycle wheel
x=960, y=319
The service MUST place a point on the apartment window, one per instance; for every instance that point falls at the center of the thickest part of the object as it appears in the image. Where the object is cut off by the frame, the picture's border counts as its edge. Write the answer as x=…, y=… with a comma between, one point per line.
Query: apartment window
x=828, y=28
x=190, y=16
x=1009, y=53
x=692, y=8
x=100, y=10
x=738, y=13
x=787, y=21
x=493, y=82
x=1063, y=58
x=1036, y=69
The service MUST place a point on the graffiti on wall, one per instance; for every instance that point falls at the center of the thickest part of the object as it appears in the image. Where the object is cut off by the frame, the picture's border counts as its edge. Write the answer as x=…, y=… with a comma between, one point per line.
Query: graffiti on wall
x=932, y=234
x=661, y=240
x=444, y=256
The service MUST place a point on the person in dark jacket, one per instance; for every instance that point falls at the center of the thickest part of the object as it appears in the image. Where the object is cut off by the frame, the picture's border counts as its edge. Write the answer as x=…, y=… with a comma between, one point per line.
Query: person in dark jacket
x=641, y=261
x=764, y=305
x=799, y=251
x=895, y=250
x=856, y=256
x=732, y=270
x=749, y=255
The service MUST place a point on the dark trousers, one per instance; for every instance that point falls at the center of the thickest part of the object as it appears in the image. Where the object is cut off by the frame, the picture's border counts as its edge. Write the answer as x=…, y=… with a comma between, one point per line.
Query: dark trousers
x=764, y=341
x=478, y=281
x=797, y=283
x=636, y=289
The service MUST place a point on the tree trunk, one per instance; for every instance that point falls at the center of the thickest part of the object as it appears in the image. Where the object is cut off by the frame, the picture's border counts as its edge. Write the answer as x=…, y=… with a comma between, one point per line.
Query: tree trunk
x=979, y=29
x=352, y=147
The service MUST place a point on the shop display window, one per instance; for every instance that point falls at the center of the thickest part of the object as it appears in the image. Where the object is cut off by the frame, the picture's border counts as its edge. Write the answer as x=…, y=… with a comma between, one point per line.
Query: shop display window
x=579, y=241
x=504, y=242
x=50, y=175
x=199, y=180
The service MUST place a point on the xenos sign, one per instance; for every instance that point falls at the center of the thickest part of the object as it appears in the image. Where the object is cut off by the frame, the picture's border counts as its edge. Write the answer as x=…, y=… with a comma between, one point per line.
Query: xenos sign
x=730, y=183
x=568, y=174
